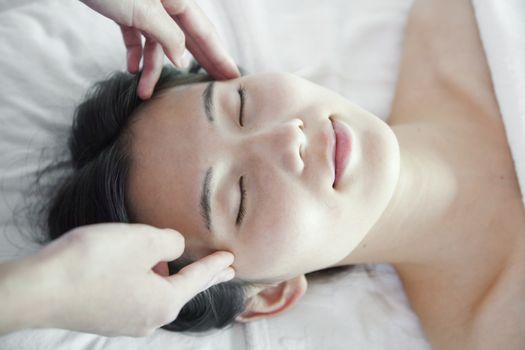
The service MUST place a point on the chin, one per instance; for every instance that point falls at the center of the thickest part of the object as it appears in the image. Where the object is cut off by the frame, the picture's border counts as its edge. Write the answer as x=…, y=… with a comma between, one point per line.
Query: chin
x=387, y=170
x=372, y=179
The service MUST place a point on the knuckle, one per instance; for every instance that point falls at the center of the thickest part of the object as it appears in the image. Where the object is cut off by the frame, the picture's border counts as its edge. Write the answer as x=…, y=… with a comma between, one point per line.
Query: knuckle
x=89, y=241
x=177, y=44
x=175, y=7
x=75, y=235
x=78, y=237
x=144, y=14
x=180, y=39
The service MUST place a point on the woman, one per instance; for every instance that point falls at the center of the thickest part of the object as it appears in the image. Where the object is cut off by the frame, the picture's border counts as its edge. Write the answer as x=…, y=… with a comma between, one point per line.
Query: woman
x=246, y=165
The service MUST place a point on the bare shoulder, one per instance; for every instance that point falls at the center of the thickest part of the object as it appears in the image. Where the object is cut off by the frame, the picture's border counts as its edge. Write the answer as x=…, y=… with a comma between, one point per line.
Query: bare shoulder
x=476, y=299
x=452, y=319
x=444, y=71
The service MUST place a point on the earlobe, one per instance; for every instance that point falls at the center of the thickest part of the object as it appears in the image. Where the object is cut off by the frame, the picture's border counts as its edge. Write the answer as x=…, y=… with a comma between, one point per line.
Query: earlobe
x=274, y=300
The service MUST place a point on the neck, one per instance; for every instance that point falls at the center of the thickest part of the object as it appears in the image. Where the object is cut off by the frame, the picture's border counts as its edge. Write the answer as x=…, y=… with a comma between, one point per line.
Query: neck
x=421, y=207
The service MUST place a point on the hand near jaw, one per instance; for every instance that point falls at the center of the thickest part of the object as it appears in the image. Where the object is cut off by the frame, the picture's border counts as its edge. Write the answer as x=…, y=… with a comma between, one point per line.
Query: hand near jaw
x=169, y=26
x=99, y=279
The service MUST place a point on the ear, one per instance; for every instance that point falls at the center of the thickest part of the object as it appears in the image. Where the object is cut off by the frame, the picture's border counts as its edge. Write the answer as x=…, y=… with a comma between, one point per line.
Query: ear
x=273, y=300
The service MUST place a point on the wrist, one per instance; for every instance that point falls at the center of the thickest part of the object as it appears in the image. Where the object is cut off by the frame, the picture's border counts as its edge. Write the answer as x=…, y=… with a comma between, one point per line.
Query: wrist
x=25, y=297
x=12, y=296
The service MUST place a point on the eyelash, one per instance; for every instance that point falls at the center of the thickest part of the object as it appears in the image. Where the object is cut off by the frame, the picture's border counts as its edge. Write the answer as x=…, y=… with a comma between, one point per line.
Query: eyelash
x=242, y=95
x=242, y=209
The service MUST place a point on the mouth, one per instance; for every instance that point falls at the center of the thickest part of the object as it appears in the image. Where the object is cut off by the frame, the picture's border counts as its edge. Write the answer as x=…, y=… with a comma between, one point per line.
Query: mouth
x=332, y=150
x=342, y=149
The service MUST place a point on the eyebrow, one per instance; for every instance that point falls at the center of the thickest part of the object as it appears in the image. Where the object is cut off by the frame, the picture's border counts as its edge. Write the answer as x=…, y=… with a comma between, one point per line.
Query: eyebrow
x=205, y=202
x=207, y=99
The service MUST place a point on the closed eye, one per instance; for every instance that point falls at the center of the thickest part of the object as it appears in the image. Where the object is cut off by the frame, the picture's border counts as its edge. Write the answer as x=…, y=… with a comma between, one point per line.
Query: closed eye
x=242, y=208
x=242, y=95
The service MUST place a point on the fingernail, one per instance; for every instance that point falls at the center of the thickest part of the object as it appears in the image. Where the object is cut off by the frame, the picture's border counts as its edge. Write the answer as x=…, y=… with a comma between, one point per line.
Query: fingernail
x=179, y=62
x=185, y=60
x=235, y=67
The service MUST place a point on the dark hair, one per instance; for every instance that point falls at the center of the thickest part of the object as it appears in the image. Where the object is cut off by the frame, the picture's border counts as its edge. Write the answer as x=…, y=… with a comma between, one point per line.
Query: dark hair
x=94, y=188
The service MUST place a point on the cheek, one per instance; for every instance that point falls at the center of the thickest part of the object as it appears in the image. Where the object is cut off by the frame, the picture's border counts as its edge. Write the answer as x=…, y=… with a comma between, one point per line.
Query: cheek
x=288, y=234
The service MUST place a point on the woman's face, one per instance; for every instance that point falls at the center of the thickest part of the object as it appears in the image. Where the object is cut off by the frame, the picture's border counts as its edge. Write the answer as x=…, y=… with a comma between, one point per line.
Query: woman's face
x=191, y=155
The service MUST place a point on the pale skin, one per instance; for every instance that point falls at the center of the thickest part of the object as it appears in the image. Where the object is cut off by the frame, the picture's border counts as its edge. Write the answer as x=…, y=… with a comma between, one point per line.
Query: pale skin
x=434, y=193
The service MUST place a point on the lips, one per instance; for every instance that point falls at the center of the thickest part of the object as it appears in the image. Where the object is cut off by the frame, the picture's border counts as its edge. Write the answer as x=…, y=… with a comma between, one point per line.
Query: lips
x=342, y=149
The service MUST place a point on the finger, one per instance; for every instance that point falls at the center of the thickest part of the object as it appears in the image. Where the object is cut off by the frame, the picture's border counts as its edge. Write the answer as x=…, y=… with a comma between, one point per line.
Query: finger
x=212, y=58
x=133, y=43
x=204, y=60
x=161, y=245
x=199, y=275
x=151, y=69
x=159, y=25
x=202, y=39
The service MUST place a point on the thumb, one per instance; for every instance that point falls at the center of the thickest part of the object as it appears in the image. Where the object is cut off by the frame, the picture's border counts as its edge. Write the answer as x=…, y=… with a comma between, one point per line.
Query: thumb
x=202, y=274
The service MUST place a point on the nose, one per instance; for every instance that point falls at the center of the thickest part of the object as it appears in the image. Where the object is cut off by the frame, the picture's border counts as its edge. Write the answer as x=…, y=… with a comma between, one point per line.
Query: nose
x=282, y=143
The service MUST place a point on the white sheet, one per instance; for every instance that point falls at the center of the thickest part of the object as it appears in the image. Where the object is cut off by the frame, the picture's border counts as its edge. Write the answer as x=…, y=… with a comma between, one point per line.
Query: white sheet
x=52, y=50
x=502, y=32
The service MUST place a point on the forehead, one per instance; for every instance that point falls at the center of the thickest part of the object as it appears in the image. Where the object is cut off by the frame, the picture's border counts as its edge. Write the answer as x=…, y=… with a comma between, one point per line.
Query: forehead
x=166, y=165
